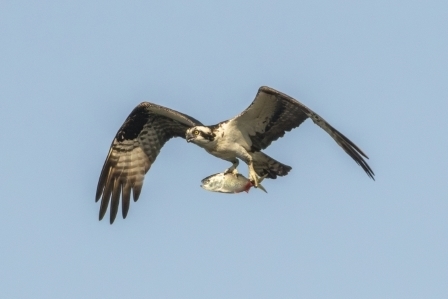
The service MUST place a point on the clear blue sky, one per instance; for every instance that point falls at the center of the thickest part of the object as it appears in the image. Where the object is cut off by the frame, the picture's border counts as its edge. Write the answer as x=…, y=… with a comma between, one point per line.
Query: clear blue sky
x=71, y=72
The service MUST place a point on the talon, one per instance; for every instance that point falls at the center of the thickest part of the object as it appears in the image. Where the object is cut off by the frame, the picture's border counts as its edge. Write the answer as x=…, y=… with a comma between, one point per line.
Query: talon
x=254, y=180
x=259, y=186
x=232, y=169
x=253, y=176
x=256, y=183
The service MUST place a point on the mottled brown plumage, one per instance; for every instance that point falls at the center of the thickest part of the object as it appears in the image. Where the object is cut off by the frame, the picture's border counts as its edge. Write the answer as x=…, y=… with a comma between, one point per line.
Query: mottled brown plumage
x=133, y=151
x=273, y=113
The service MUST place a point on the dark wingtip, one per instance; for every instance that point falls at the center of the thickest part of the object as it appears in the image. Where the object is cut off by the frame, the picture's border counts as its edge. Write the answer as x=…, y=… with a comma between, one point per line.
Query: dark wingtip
x=99, y=190
x=136, y=192
x=125, y=208
x=353, y=151
x=100, y=216
x=125, y=214
x=366, y=168
x=113, y=212
x=125, y=200
x=104, y=205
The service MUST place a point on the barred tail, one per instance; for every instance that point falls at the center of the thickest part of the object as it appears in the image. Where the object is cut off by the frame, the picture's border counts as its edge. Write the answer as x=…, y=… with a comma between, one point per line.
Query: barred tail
x=265, y=165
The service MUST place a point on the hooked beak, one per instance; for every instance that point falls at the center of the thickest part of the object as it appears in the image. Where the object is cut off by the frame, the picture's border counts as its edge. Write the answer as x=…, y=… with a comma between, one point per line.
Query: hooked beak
x=189, y=138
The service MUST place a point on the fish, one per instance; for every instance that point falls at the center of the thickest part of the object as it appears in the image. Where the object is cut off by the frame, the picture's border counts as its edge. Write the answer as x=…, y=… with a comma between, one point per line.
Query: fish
x=229, y=183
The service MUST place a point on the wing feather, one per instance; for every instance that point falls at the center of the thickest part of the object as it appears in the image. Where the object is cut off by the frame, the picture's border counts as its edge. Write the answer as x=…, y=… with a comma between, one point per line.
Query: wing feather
x=272, y=113
x=133, y=151
x=126, y=198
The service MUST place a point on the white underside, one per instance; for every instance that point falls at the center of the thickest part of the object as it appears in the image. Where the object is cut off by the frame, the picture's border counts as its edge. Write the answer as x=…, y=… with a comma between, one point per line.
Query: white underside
x=230, y=144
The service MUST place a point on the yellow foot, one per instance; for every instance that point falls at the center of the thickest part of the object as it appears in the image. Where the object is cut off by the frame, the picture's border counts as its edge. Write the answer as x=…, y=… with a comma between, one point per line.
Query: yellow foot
x=253, y=177
x=232, y=171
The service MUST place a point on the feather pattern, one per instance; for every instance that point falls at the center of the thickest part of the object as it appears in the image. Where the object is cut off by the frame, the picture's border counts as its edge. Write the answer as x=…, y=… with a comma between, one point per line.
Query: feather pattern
x=273, y=113
x=149, y=126
x=133, y=151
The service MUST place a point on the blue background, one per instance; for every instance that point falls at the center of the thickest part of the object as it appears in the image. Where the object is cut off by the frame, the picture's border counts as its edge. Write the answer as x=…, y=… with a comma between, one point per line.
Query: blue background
x=71, y=72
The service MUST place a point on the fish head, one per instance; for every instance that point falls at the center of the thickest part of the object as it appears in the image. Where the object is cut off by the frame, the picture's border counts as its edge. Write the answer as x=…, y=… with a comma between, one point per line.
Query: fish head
x=226, y=183
x=200, y=135
x=212, y=182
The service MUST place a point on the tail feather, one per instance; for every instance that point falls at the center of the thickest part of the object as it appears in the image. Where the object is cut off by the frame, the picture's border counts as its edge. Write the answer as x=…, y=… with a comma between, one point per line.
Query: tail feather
x=269, y=167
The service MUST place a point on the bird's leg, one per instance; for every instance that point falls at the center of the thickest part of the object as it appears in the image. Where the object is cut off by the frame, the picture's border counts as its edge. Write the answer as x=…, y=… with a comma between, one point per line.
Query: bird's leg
x=253, y=176
x=232, y=169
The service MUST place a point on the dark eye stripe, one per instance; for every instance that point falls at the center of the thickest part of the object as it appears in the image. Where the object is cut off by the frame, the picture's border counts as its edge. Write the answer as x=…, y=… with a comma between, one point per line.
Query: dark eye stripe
x=209, y=137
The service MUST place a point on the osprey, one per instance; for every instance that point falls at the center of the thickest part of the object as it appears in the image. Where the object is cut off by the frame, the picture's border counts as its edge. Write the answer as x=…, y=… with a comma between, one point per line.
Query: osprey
x=145, y=131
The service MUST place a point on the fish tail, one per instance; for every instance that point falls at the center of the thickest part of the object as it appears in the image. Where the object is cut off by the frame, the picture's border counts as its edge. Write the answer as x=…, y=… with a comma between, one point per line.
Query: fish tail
x=260, y=179
x=262, y=188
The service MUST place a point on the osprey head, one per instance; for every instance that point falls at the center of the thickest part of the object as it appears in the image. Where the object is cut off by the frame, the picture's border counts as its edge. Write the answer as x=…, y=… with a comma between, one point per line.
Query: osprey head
x=200, y=135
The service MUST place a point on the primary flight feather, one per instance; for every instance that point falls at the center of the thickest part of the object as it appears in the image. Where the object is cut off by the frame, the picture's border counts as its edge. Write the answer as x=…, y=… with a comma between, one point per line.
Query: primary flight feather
x=145, y=131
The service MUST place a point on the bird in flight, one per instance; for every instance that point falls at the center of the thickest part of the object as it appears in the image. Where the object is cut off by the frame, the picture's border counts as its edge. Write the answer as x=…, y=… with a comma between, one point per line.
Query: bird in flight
x=145, y=131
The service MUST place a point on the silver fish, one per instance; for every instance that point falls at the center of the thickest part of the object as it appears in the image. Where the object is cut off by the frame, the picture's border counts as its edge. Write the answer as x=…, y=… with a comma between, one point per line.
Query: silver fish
x=228, y=183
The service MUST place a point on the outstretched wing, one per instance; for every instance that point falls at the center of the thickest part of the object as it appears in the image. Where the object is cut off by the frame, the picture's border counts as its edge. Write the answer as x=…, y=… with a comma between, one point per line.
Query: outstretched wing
x=272, y=113
x=133, y=150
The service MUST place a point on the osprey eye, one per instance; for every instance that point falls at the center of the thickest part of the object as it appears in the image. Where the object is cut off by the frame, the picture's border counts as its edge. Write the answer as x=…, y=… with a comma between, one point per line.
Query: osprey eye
x=196, y=132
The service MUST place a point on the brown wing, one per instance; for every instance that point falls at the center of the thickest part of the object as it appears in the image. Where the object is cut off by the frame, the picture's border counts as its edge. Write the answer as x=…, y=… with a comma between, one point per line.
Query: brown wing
x=133, y=151
x=273, y=113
